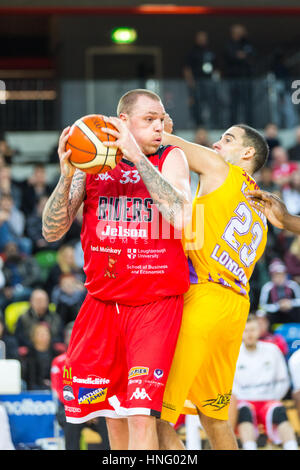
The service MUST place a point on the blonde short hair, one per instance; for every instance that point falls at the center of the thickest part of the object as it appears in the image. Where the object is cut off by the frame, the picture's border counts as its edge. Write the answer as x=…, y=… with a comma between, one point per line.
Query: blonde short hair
x=128, y=100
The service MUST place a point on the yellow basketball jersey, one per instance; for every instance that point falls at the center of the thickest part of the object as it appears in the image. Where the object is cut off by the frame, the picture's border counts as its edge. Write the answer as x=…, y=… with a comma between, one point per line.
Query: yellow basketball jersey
x=226, y=236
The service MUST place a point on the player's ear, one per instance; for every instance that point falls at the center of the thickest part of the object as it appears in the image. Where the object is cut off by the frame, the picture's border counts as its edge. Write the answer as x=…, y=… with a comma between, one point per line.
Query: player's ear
x=123, y=116
x=249, y=152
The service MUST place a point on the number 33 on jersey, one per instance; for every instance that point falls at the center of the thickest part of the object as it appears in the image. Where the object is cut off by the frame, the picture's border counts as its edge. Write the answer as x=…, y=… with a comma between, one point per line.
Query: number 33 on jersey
x=233, y=234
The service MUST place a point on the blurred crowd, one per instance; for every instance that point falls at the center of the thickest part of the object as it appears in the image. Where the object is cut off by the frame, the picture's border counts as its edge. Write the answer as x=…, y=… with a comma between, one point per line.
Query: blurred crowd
x=240, y=63
x=41, y=283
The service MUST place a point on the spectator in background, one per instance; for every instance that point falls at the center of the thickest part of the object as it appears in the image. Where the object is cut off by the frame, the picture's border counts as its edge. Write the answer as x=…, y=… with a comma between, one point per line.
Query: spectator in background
x=16, y=218
x=11, y=344
x=12, y=225
x=284, y=242
x=36, y=364
x=68, y=296
x=294, y=151
x=282, y=167
x=65, y=265
x=73, y=235
x=2, y=161
x=272, y=138
x=265, y=333
x=284, y=108
x=34, y=188
x=34, y=228
x=280, y=297
x=6, y=151
x=266, y=183
x=21, y=273
x=53, y=155
x=292, y=259
x=38, y=312
x=278, y=67
x=239, y=56
x=261, y=381
x=201, y=137
x=58, y=366
x=78, y=255
x=6, y=442
x=259, y=277
x=198, y=70
x=294, y=368
x=9, y=186
x=291, y=193
x=2, y=277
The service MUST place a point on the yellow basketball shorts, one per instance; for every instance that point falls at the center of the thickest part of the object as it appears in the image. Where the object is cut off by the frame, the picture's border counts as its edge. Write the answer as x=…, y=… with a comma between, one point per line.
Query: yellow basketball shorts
x=207, y=350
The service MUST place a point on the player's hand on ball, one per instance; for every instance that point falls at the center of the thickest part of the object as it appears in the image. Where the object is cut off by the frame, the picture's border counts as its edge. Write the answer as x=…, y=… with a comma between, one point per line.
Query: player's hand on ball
x=124, y=139
x=66, y=167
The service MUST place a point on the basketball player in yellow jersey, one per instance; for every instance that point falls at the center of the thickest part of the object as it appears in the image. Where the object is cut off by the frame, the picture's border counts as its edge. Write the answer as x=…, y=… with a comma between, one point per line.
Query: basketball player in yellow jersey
x=221, y=261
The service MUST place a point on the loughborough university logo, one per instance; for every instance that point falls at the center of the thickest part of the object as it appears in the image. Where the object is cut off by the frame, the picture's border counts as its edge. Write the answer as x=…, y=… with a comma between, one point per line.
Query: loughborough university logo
x=131, y=253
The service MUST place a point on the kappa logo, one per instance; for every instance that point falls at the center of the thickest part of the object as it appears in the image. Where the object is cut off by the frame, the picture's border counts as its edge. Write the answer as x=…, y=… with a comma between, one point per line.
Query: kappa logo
x=140, y=394
x=103, y=177
x=131, y=253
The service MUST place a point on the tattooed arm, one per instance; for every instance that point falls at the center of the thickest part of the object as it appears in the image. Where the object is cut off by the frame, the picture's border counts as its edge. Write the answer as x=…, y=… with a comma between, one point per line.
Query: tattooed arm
x=62, y=206
x=67, y=197
x=169, y=189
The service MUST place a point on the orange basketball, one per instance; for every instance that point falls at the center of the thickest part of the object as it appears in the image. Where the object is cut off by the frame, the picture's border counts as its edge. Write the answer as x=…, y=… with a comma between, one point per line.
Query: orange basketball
x=88, y=152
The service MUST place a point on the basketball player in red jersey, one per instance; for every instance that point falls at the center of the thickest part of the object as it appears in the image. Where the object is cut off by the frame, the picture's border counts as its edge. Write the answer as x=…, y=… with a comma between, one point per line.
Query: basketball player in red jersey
x=125, y=334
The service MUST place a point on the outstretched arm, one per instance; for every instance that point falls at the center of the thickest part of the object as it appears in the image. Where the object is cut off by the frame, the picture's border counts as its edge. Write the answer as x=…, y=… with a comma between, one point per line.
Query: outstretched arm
x=64, y=202
x=274, y=209
x=201, y=160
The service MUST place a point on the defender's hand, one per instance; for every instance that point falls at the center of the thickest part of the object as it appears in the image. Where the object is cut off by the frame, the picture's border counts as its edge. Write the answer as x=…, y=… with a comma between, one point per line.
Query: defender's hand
x=270, y=205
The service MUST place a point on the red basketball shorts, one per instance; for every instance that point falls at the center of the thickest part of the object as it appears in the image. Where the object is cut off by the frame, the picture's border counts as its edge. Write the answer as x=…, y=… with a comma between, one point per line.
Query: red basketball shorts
x=262, y=414
x=119, y=357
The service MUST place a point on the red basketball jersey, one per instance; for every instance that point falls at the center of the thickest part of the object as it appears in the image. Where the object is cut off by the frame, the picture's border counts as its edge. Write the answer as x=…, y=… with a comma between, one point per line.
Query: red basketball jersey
x=132, y=255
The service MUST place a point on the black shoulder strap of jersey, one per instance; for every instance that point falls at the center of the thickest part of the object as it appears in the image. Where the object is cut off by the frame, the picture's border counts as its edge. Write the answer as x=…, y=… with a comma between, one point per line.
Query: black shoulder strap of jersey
x=159, y=152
